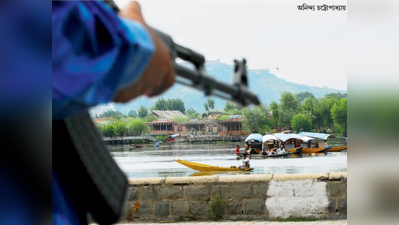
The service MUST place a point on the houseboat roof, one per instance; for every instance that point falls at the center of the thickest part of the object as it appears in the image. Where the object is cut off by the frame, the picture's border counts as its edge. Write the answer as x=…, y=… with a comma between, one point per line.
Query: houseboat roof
x=316, y=135
x=168, y=114
x=254, y=136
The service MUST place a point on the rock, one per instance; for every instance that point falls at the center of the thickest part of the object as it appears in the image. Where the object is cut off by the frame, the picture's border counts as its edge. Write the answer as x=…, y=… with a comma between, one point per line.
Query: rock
x=342, y=206
x=150, y=193
x=253, y=206
x=335, y=189
x=222, y=190
x=233, y=208
x=242, y=191
x=261, y=190
x=198, y=208
x=180, y=208
x=134, y=194
x=145, y=209
x=196, y=192
x=172, y=192
x=332, y=206
x=161, y=209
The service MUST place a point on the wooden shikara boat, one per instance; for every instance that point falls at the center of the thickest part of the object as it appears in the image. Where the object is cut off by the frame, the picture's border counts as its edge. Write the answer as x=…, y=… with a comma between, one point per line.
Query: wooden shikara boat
x=337, y=149
x=324, y=137
x=288, y=152
x=209, y=168
x=314, y=150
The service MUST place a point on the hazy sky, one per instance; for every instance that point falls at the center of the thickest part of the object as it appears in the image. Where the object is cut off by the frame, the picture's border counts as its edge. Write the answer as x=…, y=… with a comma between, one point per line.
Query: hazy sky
x=307, y=47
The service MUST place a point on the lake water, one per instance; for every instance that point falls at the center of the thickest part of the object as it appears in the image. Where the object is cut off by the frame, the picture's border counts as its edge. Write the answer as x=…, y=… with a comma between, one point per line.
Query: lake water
x=158, y=162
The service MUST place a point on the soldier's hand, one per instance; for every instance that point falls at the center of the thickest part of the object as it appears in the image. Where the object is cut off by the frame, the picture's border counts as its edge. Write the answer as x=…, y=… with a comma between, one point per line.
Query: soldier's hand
x=158, y=76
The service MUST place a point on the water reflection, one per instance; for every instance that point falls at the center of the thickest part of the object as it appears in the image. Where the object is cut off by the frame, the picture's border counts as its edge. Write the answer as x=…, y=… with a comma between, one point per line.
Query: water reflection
x=158, y=162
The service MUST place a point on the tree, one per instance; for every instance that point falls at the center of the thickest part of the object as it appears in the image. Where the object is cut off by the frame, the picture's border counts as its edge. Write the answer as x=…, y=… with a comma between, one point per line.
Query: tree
x=209, y=104
x=112, y=113
x=142, y=111
x=289, y=106
x=254, y=119
x=160, y=104
x=150, y=118
x=303, y=95
x=311, y=108
x=232, y=108
x=170, y=104
x=301, y=121
x=192, y=114
x=107, y=130
x=179, y=119
x=132, y=113
x=340, y=115
x=275, y=113
x=175, y=104
x=326, y=105
x=120, y=128
x=206, y=106
x=336, y=95
x=137, y=127
x=265, y=128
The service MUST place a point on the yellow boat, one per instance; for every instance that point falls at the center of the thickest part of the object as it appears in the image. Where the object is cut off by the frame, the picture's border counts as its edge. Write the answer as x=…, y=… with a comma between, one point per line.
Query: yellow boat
x=337, y=149
x=208, y=168
x=309, y=150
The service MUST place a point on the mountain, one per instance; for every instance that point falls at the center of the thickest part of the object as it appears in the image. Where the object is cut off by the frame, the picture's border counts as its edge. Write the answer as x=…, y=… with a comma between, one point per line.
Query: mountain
x=262, y=82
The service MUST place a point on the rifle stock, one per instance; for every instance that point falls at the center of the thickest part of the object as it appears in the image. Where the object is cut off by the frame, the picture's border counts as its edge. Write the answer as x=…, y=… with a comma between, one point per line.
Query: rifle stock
x=197, y=78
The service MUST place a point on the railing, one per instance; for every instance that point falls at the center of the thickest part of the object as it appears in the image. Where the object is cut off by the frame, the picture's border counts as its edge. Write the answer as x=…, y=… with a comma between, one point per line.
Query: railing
x=145, y=137
x=233, y=132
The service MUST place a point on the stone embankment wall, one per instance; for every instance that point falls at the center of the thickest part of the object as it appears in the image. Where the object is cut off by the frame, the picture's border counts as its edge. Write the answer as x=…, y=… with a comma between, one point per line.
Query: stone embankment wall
x=239, y=197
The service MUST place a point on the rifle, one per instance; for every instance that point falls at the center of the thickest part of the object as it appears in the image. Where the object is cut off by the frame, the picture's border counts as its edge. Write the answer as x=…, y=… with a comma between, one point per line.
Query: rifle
x=198, y=78
x=95, y=182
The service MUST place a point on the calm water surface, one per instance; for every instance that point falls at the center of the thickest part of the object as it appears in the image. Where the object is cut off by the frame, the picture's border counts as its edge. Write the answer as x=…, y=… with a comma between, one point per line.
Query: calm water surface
x=158, y=162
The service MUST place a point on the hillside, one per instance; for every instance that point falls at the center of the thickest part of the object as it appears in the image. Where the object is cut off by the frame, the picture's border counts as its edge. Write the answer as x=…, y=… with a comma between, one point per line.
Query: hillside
x=266, y=85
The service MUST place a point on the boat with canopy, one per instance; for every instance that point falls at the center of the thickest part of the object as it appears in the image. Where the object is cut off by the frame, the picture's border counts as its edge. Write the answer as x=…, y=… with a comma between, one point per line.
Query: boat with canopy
x=324, y=137
x=297, y=138
x=269, y=141
x=254, y=143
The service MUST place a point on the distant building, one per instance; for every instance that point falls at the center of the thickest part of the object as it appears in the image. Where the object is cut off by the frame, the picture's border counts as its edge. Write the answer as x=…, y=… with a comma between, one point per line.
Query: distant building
x=232, y=126
x=213, y=115
x=103, y=120
x=168, y=114
x=202, y=127
x=166, y=127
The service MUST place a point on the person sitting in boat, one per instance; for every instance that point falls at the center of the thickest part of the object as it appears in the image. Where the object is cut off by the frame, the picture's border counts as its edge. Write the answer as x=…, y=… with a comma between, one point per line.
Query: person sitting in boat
x=245, y=162
x=271, y=152
x=281, y=150
x=238, y=150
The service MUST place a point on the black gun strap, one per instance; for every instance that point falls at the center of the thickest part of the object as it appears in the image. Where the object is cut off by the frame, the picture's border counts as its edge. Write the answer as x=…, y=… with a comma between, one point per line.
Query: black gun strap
x=87, y=170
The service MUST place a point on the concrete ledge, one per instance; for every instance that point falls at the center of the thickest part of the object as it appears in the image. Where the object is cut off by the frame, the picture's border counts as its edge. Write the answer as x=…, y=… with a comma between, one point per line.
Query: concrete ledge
x=338, y=175
x=245, y=178
x=307, y=176
x=191, y=180
x=237, y=178
x=146, y=181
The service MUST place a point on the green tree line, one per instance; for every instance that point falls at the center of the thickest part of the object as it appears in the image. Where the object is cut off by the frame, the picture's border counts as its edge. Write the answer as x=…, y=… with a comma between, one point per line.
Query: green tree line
x=302, y=111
